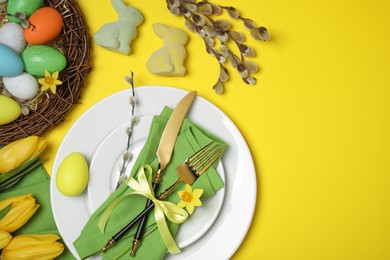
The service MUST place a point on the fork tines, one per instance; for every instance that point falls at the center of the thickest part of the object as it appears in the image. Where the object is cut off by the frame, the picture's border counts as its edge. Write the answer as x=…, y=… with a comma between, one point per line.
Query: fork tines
x=204, y=158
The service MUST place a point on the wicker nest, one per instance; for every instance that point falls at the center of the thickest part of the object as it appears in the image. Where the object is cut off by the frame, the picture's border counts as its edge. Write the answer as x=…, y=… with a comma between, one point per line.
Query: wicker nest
x=74, y=43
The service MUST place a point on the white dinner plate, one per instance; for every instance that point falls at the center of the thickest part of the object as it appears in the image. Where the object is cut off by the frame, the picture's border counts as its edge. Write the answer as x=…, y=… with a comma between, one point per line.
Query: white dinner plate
x=102, y=122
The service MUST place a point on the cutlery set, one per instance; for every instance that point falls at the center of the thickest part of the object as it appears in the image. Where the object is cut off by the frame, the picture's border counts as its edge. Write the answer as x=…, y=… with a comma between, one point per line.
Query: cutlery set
x=188, y=171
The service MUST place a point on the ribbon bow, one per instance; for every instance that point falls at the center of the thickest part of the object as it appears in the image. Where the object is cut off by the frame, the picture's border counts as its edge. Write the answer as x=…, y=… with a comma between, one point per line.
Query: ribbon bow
x=143, y=187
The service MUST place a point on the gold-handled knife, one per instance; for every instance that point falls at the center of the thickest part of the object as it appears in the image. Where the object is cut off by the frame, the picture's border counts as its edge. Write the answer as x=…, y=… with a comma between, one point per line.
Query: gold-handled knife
x=172, y=128
x=164, y=154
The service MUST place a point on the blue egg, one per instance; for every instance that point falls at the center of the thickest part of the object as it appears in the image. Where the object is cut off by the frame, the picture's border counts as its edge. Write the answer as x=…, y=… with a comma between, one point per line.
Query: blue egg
x=11, y=64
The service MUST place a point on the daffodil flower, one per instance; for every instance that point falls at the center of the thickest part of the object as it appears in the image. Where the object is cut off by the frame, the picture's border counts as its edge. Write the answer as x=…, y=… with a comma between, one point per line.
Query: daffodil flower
x=50, y=81
x=190, y=198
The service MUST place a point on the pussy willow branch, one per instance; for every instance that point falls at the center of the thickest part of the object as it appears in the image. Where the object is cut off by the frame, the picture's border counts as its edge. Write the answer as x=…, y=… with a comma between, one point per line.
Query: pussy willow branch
x=198, y=19
x=126, y=157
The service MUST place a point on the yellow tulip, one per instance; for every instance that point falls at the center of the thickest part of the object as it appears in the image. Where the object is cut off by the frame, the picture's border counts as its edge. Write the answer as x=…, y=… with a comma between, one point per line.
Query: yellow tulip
x=22, y=209
x=33, y=246
x=5, y=237
x=16, y=153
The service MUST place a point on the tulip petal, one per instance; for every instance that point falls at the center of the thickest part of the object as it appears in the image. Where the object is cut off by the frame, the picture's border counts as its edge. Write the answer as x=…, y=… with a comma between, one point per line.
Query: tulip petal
x=33, y=246
x=5, y=238
x=16, y=153
x=4, y=211
x=4, y=203
x=21, y=211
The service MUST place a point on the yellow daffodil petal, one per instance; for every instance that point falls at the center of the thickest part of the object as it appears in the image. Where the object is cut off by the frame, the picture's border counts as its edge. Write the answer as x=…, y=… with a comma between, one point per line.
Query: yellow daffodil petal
x=197, y=193
x=182, y=204
x=44, y=87
x=196, y=202
x=47, y=74
x=53, y=88
x=55, y=75
x=57, y=82
x=42, y=81
x=188, y=188
x=190, y=208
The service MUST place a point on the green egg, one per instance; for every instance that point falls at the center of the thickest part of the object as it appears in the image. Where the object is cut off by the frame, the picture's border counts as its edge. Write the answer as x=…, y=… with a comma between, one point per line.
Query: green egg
x=10, y=110
x=25, y=6
x=38, y=58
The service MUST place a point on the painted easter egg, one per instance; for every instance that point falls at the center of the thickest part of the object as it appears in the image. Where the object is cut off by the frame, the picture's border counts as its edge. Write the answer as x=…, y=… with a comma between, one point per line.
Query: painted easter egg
x=11, y=64
x=12, y=35
x=23, y=86
x=25, y=6
x=38, y=58
x=72, y=175
x=45, y=25
x=9, y=110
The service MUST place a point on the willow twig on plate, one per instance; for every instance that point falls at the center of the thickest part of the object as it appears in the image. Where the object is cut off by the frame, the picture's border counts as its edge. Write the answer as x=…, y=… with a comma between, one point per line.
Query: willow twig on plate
x=127, y=156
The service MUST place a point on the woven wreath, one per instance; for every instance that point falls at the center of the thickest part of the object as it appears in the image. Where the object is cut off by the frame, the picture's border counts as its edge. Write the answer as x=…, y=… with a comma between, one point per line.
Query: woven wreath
x=74, y=43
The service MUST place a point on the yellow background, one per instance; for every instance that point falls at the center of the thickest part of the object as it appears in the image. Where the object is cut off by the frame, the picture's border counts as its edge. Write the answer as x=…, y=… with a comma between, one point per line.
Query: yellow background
x=316, y=122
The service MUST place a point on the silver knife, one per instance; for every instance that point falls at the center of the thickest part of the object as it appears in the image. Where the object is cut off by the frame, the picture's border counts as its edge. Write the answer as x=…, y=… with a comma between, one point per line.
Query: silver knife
x=164, y=154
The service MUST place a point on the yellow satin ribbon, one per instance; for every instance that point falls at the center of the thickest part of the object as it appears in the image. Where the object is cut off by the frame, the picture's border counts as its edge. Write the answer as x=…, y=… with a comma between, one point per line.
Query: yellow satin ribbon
x=143, y=186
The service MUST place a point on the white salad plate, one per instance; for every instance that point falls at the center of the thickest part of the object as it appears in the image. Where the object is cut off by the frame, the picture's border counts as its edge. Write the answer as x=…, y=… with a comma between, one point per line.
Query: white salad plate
x=105, y=170
x=216, y=229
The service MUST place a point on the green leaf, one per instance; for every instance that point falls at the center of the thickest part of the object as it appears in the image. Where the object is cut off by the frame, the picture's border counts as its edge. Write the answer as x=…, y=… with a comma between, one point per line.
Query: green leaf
x=4, y=211
x=12, y=181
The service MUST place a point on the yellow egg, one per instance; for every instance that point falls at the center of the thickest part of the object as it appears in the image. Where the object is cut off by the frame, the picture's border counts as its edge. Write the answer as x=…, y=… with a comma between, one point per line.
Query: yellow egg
x=72, y=175
x=9, y=110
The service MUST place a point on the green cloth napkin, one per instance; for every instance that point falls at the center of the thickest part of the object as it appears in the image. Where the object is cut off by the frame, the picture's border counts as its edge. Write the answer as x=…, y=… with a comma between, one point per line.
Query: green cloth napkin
x=37, y=182
x=190, y=139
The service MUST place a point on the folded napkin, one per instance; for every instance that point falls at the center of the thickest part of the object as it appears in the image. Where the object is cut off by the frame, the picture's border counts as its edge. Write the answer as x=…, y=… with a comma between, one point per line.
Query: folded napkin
x=190, y=139
x=37, y=182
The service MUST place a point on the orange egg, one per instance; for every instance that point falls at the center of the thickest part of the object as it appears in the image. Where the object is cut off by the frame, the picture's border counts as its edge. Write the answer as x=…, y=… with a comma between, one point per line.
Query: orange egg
x=45, y=25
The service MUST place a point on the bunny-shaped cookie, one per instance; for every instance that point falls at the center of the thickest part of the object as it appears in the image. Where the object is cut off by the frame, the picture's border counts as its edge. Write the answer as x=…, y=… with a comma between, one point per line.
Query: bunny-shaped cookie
x=117, y=36
x=168, y=60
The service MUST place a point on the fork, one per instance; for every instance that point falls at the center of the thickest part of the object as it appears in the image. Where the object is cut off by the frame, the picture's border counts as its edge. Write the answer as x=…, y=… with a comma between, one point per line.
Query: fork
x=194, y=166
x=188, y=172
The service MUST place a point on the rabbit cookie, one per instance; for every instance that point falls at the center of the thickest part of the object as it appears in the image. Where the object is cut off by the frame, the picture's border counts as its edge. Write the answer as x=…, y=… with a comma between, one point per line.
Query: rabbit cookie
x=168, y=60
x=117, y=36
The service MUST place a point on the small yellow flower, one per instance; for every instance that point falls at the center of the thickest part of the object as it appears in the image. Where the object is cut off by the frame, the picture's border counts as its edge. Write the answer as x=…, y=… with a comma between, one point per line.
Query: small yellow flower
x=50, y=81
x=190, y=198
